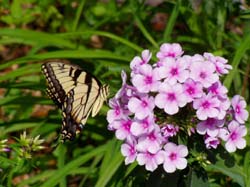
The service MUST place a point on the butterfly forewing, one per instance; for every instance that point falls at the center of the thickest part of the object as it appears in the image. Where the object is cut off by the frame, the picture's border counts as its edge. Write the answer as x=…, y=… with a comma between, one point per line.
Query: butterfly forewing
x=103, y=94
x=76, y=92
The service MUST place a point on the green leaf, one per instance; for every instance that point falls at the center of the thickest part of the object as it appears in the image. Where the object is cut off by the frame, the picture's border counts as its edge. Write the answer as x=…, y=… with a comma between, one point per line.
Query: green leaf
x=240, y=52
x=36, y=38
x=115, y=159
x=37, y=178
x=171, y=22
x=55, y=179
x=25, y=70
x=19, y=126
x=112, y=36
x=197, y=180
x=235, y=172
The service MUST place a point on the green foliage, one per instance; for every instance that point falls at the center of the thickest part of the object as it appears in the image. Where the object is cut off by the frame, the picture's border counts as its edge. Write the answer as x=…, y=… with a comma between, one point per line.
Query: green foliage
x=103, y=37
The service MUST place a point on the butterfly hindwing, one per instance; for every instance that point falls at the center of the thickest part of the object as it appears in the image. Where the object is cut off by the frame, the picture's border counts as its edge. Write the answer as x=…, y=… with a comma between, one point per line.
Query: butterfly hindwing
x=74, y=91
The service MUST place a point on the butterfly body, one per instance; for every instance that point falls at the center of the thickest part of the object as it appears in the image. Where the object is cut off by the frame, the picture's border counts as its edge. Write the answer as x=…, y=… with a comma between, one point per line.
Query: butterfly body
x=76, y=92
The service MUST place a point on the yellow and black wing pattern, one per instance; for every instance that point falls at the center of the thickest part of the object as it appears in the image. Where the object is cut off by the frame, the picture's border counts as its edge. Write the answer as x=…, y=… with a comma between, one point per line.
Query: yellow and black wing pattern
x=76, y=92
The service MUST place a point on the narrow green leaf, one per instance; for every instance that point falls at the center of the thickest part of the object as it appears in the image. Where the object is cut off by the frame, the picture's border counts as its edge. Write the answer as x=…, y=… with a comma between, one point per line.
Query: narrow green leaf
x=19, y=127
x=105, y=34
x=73, y=54
x=78, y=15
x=37, y=178
x=61, y=151
x=235, y=172
x=55, y=179
x=23, y=100
x=171, y=22
x=25, y=70
x=112, y=167
x=240, y=52
x=88, y=54
x=145, y=32
x=31, y=37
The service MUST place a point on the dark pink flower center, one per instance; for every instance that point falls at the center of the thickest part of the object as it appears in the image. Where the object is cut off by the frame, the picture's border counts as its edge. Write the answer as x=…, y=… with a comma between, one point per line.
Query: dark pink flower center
x=218, y=69
x=206, y=105
x=237, y=109
x=171, y=54
x=117, y=111
x=203, y=75
x=214, y=142
x=132, y=150
x=233, y=136
x=171, y=97
x=173, y=156
x=127, y=125
x=174, y=71
x=145, y=124
x=142, y=62
x=210, y=122
x=190, y=90
x=144, y=104
x=152, y=137
x=148, y=79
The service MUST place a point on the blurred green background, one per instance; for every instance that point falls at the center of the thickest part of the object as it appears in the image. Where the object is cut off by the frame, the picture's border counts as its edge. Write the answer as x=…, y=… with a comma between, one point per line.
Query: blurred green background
x=102, y=37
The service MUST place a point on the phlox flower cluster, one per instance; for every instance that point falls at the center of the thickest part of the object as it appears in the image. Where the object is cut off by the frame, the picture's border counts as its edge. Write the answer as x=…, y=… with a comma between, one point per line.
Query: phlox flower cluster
x=145, y=112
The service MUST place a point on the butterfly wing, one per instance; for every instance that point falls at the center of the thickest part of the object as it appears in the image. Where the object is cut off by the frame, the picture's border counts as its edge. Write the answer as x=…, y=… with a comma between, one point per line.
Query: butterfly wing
x=81, y=100
x=61, y=78
x=76, y=92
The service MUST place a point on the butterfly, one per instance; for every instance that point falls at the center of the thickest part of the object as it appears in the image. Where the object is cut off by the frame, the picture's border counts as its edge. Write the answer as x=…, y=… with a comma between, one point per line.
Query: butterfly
x=76, y=92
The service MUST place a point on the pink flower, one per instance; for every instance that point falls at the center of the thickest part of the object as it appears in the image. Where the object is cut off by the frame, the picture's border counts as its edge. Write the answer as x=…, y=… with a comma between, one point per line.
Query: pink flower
x=218, y=90
x=170, y=98
x=125, y=92
x=150, y=142
x=203, y=72
x=122, y=128
x=173, y=71
x=147, y=80
x=169, y=50
x=175, y=157
x=239, y=105
x=210, y=126
x=212, y=142
x=235, y=137
x=129, y=151
x=116, y=112
x=143, y=126
x=223, y=134
x=192, y=90
x=220, y=63
x=150, y=160
x=169, y=130
x=223, y=108
x=207, y=106
x=137, y=61
x=141, y=107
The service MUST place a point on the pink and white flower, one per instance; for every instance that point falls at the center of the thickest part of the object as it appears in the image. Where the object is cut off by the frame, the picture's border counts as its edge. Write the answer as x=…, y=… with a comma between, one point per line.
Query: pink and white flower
x=235, y=137
x=203, y=72
x=128, y=150
x=147, y=80
x=239, y=105
x=207, y=107
x=141, y=107
x=175, y=157
x=170, y=97
x=169, y=50
x=150, y=160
